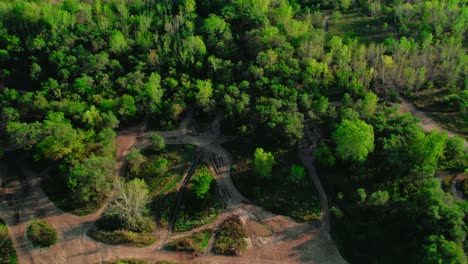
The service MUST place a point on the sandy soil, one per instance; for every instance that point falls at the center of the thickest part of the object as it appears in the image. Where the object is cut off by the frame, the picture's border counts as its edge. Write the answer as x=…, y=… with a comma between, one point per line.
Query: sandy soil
x=272, y=238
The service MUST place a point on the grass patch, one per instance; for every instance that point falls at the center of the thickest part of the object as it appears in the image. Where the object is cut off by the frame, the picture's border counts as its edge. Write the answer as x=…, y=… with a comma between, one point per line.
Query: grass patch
x=163, y=170
x=433, y=102
x=7, y=250
x=41, y=233
x=197, y=242
x=194, y=211
x=355, y=24
x=279, y=195
x=122, y=237
x=230, y=239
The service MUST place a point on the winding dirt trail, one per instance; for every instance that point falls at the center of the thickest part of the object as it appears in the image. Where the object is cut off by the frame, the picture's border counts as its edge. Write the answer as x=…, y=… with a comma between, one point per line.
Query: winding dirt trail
x=272, y=238
x=427, y=123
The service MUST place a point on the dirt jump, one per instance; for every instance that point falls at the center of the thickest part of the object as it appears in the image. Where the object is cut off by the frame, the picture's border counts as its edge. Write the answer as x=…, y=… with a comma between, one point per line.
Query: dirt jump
x=271, y=238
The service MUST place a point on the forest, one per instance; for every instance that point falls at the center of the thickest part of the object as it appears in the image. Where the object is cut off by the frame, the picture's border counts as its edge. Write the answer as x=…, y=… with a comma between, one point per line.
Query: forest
x=74, y=74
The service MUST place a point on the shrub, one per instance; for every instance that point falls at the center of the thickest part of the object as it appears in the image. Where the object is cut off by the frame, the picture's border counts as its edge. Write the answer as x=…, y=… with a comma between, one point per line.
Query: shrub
x=230, y=239
x=297, y=174
x=196, y=242
x=122, y=237
x=202, y=182
x=7, y=250
x=41, y=233
x=157, y=141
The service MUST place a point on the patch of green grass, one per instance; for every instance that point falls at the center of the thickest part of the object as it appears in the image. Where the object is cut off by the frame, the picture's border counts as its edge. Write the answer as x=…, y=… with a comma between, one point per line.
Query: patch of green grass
x=197, y=242
x=230, y=239
x=278, y=194
x=356, y=24
x=432, y=101
x=41, y=233
x=7, y=250
x=119, y=237
x=194, y=211
x=162, y=181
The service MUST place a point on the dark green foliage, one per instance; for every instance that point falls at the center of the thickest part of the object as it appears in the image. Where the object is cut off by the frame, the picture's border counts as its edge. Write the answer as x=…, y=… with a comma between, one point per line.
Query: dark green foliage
x=297, y=174
x=7, y=250
x=73, y=71
x=91, y=181
x=230, y=238
x=41, y=233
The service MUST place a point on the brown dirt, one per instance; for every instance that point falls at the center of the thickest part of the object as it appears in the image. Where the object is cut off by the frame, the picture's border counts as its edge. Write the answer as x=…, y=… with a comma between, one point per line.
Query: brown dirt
x=272, y=238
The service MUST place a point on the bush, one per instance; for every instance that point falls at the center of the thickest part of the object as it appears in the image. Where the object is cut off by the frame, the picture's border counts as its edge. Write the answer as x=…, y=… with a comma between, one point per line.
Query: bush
x=157, y=141
x=197, y=242
x=41, y=233
x=202, y=182
x=119, y=237
x=7, y=250
x=297, y=174
x=230, y=240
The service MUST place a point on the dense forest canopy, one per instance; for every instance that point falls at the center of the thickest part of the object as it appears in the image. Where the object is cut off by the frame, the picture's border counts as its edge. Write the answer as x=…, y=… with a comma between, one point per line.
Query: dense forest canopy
x=72, y=73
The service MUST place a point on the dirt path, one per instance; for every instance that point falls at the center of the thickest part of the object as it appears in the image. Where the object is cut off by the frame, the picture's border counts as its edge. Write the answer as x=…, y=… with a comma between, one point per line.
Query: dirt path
x=326, y=19
x=457, y=194
x=272, y=238
x=427, y=123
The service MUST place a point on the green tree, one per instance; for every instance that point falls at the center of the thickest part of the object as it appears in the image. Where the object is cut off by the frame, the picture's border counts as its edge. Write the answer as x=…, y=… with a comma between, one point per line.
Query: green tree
x=263, y=163
x=91, y=180
x=201, y=182
x=157, y=142
x=135, y=160
x=369, y=104
x=297, y=174
x=130, y=205
x=354, y=140
x=118, y=43
x=60, y=138
x=378, y=198
x=204, y=94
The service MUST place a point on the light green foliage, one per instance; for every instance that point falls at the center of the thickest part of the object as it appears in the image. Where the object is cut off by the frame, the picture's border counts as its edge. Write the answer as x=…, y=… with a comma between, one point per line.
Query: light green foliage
x=440, y=250
x=455, y=153
x=369, y=104
x=127, y=108
x=60, y=138
x=161, y=166
x=362, y=195
x=297, y=174
x=204, y=94
x=153, y=90
x=118, y=42
x=263, y=163
x=426, y=150
x=354, y=140
x=130, y=205
x=157, y=142
x=91, y=180
x=135, y=160
x=41, y=233
x=201, y=182
x=378, y=198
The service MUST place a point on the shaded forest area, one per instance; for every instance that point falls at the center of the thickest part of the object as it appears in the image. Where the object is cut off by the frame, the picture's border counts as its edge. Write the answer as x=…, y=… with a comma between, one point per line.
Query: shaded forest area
x=73, y=73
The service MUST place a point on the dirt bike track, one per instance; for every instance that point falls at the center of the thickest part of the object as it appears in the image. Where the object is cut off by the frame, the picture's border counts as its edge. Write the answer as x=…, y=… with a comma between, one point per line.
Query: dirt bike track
x=272, y=238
